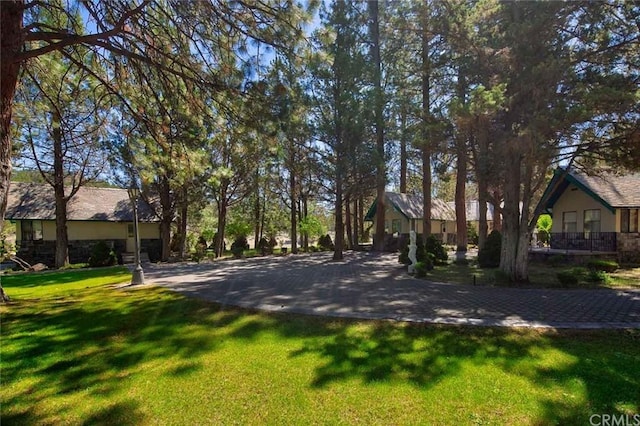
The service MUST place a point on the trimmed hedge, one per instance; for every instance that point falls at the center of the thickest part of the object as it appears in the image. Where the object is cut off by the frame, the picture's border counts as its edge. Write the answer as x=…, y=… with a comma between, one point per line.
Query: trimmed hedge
x=102, y=255
x=326, y=243
x=239, y=245
x=489, y=255
x=435, y=247
x=423, y=267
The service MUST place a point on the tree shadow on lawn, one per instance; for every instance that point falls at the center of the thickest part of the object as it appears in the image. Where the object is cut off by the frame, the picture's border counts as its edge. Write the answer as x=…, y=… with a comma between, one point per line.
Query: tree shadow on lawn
x=575, y=373
x=69, y=347
x=90, y=345
x=606, y=364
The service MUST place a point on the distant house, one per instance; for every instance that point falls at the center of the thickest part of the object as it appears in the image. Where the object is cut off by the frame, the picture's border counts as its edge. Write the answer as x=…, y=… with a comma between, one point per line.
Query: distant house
x=93, y=214
x=595, y=213
x=403, y=213
x=473, y=214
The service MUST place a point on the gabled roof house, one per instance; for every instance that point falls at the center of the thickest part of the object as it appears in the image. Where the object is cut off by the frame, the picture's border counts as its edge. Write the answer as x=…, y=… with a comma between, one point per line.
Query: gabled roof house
x=403, y=213
x=596, y=213
x=93, y=214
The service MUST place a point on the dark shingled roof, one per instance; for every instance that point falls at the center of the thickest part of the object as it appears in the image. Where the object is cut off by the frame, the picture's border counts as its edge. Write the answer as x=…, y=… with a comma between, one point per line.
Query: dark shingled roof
x=616, y=190
x=611, y=190
x=36, y=201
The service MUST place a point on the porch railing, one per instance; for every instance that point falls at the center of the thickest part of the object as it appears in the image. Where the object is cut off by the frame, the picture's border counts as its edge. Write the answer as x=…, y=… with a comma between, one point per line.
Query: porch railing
x=587, y=241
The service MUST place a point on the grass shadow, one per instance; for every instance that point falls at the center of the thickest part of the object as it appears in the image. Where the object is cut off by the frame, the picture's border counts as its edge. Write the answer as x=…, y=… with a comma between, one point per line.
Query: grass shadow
x=90, y=343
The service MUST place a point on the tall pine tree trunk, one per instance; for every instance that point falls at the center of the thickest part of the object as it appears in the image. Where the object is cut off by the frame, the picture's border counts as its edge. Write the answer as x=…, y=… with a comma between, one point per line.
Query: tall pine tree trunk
x=182, y=232
x=62, y=237
x=483, y=228
x=339, y=221
x=497, y=212
x=11, y=41
x=461, y=176
x=381, y=177
x=426, y=122
x=482, y=167
x=347, y=215
x=294, y=209
x=403, y=150
x=356, y=234
x=222, y=220
x=305, y=213
x=515, y=241
x=257, y=234
x=11, y=15
x=166, y=218
x=460, y=200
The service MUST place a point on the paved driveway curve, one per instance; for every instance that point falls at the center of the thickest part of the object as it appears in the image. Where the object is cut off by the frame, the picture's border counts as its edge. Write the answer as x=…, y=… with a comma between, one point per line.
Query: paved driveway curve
x=375, y=286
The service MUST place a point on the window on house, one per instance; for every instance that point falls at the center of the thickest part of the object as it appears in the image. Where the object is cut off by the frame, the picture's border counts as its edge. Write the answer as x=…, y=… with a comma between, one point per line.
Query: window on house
x=31, y=230
x=395, y=226
x=130, y=230
x=569, y=222
x=629, y=220
x=591, y=221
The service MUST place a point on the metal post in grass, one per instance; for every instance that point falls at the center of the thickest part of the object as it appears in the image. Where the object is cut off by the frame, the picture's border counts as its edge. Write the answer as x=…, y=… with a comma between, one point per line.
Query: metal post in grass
x=138, y=273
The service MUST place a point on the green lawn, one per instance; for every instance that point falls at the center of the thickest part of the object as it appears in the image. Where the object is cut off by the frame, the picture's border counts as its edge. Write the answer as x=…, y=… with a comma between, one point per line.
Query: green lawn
x=94, y=354
x=61, y=283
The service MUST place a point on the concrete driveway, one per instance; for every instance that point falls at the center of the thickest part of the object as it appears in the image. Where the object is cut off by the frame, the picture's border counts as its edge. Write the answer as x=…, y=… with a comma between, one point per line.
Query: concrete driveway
x=376, y=286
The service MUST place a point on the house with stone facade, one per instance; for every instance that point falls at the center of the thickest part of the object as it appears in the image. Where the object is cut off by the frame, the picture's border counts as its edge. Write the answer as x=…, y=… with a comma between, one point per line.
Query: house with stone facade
x=599, y=213
x=93, y=215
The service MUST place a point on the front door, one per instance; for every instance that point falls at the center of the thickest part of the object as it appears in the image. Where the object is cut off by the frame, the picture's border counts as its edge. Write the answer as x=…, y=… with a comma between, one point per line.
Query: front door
x=131, y=242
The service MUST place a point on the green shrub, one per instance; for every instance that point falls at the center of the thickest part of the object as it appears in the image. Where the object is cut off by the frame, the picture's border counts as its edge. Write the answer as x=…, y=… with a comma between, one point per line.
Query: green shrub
x=595, y=276
x=263, y=243
x=264, y=246
x=423, y=267
x=601, y=265
x=543, y=225
x=421, y=253
x=239, y=245
x=326, y=243
x=102, y=255
x=435, y=247
x=567, y=278
x=272, y=242
x=472, y=234
x=404, y=256
x=489, y=255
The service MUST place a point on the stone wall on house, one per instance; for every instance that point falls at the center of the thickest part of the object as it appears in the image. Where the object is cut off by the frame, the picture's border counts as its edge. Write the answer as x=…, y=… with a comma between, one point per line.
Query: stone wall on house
x=39, y=251
x=629, y=247
x=80, y=250
x=153, y=247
